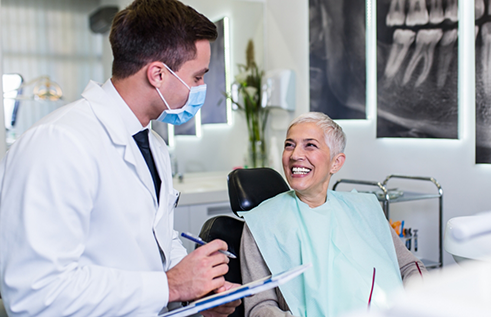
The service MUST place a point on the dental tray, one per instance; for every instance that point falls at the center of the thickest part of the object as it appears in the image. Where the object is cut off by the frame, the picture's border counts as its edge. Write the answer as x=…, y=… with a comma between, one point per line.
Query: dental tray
x=393, y=193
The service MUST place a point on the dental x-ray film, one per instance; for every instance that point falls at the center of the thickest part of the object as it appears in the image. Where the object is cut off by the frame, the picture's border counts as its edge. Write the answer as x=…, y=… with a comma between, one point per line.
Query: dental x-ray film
x=337, y=58
x=483, y=80
x=417, y=68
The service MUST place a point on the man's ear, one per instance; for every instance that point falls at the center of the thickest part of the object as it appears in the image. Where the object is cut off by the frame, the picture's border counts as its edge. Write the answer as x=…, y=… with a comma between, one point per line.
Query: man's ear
x=337, y=162
x=156, y=74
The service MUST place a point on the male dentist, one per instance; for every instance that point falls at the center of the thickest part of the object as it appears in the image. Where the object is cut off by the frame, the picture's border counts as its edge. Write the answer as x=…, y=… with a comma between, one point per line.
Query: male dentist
x=87, y=202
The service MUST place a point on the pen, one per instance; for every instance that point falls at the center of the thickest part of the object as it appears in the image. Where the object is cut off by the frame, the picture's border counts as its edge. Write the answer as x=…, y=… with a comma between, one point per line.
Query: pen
x=201, y=242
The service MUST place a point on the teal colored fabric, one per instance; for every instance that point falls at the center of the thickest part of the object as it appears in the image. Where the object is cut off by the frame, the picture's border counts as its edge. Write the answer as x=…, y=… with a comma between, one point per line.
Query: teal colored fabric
x=344, y=239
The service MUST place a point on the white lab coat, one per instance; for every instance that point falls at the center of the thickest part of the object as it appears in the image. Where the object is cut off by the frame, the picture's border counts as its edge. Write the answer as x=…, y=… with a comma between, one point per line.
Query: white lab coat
x=80, y=226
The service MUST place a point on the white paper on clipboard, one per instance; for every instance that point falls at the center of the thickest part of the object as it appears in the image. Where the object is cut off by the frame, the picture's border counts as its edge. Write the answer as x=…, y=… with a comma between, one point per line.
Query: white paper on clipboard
x=237, y=293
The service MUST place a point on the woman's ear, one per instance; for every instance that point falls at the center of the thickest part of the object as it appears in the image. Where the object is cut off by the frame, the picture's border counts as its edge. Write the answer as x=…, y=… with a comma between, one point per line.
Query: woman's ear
x=337, y=162
x=156, y=74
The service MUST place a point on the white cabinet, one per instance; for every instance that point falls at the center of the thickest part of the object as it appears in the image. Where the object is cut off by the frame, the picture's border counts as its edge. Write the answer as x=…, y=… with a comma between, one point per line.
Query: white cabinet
x=190, y=218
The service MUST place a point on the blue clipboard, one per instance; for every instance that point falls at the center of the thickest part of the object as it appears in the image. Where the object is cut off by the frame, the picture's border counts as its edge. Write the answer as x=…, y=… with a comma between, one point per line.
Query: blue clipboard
x=237, y=293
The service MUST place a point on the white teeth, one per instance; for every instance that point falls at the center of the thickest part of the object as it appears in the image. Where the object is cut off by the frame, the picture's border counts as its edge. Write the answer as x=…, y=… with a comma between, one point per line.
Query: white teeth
x=452, y=10
x=436, y=12
x=417, y=13
x=396, y=15
x=486, y=57
x=426, y=41
x=402, y=41
x=300, y=170
x=479, y=9
x=446, y=54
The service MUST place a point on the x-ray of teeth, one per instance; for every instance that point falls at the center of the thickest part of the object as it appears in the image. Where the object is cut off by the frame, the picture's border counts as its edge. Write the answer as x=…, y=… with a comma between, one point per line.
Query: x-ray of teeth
x=337, y=58
x=417, y=69
x=452, y=11
x=479, y=9
x=396, y=15
x=436, y=12
x=483, y=81
x=214, y=109
x=401, y=43
x=417, y=13
x=446, y=55
x=426, y=41
x=486, y=58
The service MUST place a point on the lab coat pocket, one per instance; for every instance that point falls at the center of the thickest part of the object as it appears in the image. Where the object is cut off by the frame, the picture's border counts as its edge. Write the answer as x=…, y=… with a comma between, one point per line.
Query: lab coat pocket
x=164, y=222
x=168, y=202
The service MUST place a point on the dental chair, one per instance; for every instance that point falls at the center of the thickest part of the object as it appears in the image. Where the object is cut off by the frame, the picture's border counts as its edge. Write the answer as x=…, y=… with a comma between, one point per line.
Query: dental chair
x=247, y=188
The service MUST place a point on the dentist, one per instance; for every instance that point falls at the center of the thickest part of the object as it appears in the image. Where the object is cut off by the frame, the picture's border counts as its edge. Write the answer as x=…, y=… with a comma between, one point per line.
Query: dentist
x=87, y=202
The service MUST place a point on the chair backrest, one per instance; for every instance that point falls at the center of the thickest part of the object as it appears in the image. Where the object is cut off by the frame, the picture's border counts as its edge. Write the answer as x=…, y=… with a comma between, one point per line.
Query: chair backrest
x=228, y=229
x=247, y=188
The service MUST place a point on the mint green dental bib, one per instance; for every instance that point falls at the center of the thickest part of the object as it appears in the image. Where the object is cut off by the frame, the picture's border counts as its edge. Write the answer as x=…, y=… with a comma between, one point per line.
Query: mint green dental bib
x=344, y=239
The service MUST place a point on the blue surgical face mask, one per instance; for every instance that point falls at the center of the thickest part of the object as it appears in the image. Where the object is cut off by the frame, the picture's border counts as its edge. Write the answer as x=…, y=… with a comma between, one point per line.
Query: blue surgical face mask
x=195, y=101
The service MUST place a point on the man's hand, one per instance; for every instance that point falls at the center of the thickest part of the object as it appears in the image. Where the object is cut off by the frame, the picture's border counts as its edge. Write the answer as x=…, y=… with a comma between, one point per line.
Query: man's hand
x=225, y=309
x=199, y=273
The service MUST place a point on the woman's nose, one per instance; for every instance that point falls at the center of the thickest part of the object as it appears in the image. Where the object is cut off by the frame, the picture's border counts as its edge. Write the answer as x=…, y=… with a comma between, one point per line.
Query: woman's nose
x=297, y=154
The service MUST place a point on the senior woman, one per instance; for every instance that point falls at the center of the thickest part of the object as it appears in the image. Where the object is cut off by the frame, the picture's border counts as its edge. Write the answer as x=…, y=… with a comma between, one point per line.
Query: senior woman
x=357, y=257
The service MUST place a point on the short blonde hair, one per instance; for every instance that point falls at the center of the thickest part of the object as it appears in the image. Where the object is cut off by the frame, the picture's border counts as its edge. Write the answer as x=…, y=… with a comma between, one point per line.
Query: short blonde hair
x=334, y=136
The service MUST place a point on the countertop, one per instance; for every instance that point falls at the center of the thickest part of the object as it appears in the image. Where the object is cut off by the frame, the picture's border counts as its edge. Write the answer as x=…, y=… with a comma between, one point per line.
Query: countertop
x=202, y=188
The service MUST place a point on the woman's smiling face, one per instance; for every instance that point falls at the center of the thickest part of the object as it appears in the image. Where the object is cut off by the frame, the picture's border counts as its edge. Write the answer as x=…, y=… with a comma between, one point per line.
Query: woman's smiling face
x=307, y=161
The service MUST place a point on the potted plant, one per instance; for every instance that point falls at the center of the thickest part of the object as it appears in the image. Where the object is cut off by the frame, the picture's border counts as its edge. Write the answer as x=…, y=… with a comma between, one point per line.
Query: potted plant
x=247, y=97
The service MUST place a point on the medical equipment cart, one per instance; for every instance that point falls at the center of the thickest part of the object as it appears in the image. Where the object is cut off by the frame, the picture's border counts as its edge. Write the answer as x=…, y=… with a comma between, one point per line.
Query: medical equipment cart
x=387, y=197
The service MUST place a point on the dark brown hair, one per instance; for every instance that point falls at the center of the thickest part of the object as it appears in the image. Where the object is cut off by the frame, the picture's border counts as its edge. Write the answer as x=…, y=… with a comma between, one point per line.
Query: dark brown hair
x=156, y=30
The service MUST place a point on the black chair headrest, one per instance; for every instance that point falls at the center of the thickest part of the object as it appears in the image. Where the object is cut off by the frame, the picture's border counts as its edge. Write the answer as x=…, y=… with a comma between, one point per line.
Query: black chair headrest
x=247, y=188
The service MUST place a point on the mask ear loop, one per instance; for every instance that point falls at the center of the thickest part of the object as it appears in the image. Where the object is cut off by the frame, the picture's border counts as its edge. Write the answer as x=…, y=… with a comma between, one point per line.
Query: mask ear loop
x=182, y=81
x=162, y=97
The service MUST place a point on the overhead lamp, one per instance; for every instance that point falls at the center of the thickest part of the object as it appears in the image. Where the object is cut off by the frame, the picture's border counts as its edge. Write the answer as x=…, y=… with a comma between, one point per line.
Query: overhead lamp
x=44, y=89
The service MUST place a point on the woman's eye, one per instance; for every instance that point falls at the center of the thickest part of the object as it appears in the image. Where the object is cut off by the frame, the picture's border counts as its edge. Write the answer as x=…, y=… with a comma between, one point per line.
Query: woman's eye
x=288, y=145
x=198, y=79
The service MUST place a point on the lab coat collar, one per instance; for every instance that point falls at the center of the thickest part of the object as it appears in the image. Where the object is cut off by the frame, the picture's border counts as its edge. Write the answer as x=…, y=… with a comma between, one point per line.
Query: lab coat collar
x=105, y=108
x=110, y=110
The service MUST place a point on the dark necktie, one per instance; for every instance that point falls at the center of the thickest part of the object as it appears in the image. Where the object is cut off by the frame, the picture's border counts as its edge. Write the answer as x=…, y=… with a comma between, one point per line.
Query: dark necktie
x=141, y=139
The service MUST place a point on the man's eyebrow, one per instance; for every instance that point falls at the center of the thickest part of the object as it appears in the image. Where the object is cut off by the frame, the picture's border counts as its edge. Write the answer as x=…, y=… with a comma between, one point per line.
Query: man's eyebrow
x=202, y=71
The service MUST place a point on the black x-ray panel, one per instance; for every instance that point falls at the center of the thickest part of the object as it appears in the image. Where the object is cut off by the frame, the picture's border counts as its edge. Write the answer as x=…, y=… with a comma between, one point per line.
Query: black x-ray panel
x=337, y=58
x=483, y=81
x=215, y=108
